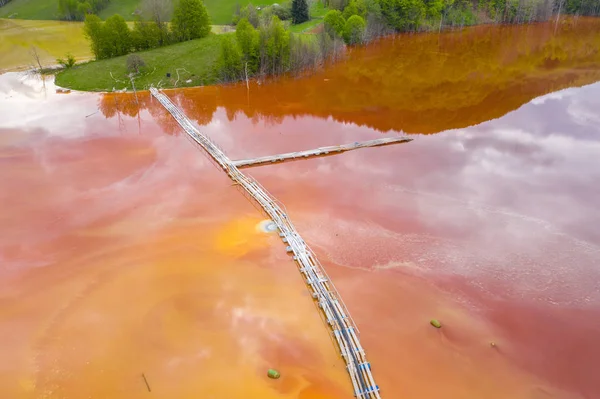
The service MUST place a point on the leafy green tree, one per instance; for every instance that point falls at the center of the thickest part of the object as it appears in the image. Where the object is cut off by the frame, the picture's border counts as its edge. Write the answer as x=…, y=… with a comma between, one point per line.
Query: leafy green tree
x=76, y=10
x=403, y=15
x=116, y=36
x=274, y=47
x=434, y=8
x=190, y=20
x=83, y=9
x=68, y=10
x=145, y=35
x=354, y=30
x=299, y=11
x=352, y=9
x=229, y=63
x=362, y=8
x=92, y=29
x=247, y=40
x=334, y=23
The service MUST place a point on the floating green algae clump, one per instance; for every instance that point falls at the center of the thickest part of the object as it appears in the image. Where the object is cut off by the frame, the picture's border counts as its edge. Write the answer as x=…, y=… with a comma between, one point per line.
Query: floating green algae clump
x=273, y=374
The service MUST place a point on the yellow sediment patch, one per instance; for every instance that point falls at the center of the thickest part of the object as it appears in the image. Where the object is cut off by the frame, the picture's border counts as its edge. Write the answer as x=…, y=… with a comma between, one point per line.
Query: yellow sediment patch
x=240, y=236
x=52, y=38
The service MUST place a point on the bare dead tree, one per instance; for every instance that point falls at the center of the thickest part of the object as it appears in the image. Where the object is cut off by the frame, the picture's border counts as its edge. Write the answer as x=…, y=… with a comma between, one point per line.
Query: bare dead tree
x=35, y=55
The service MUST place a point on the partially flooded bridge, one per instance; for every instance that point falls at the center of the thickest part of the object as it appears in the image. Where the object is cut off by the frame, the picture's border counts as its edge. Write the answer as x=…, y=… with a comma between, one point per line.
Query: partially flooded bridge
x=333, y=309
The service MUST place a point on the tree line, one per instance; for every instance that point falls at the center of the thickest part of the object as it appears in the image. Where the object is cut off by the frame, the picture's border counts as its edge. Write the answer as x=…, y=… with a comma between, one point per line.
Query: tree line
x=264, y=46
x=76, y=10
x=113, y=37
x=270, y=49
x=359, y=21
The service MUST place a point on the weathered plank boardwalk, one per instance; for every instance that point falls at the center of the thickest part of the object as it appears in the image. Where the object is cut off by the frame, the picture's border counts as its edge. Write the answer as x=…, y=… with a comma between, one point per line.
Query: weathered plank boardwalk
x=321, y=151
x=323, y=291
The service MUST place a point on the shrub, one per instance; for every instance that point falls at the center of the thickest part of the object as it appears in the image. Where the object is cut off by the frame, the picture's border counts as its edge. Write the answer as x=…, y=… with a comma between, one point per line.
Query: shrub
x=134, y=63
x=67, y=62
x=354, y=30
x=334, y=23
x=282, y=12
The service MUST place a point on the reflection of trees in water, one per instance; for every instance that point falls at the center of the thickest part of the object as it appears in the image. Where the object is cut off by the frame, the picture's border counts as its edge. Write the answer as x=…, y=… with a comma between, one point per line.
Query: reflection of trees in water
x=128, y=104
x=419, y=83
x=198, y=105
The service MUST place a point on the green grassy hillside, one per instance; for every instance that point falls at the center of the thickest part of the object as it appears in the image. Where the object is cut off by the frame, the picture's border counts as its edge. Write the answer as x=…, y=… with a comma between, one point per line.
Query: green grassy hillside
x=125, y=8
x=220, y=11
x=193, y=60
x=30, y=9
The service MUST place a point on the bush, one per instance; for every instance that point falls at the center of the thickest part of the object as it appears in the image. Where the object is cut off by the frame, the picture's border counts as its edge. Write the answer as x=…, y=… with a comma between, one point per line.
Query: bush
x=67, y=62
x=334, y=23
x=282, y=12
x=134, y=63
x=354, y=30
x=403, y=15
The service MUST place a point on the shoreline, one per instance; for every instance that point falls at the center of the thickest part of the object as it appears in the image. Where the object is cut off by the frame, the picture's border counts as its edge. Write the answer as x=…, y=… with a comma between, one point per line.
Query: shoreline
x=209, y=70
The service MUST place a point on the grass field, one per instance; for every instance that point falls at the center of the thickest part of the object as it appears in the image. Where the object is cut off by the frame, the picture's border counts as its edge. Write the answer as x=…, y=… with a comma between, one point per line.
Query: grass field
x=52, y=38
x=125, y=8
x=194, y=60
x=220, y=11
x=30, y=9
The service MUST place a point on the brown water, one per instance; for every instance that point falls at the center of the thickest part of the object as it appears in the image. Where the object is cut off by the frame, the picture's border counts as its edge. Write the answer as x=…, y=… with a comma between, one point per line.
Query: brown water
x=125, y=251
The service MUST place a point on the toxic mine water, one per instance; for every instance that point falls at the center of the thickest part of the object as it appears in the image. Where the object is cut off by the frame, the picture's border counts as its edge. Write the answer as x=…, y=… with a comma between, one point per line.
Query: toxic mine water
x=128, y=258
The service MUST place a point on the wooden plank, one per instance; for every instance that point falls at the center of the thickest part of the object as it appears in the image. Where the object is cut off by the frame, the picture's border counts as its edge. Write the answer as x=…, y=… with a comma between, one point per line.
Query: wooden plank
x=322, y=151
x=323, y=290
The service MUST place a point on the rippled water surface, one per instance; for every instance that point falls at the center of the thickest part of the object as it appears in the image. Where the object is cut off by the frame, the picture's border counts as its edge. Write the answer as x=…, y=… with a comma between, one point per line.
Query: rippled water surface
x=124, y=251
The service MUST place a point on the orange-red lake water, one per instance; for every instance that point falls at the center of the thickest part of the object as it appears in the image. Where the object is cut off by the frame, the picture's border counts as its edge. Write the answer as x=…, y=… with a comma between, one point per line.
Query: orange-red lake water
x=125, y=253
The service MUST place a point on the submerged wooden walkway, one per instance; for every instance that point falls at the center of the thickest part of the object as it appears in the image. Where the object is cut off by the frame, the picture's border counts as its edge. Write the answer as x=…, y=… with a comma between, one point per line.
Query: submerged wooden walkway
x=323, y=291
x=321, y=151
